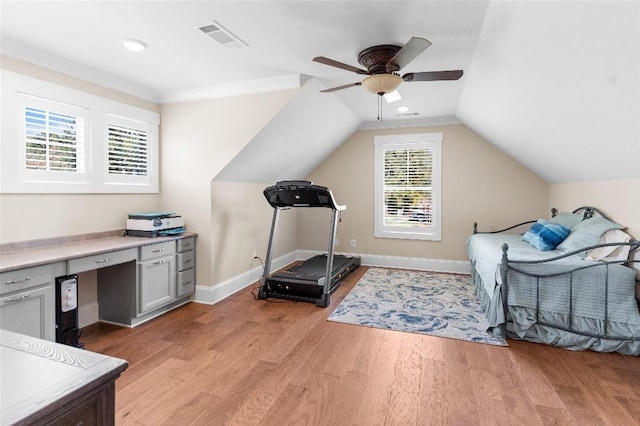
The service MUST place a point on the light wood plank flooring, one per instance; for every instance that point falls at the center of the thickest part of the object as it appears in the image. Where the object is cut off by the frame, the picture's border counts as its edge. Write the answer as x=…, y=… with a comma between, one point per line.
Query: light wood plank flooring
x=279, y=362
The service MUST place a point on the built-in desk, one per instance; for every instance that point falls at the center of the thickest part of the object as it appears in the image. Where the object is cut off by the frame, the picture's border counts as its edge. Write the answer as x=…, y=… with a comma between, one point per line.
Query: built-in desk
x=45, y=383
x=138, y=278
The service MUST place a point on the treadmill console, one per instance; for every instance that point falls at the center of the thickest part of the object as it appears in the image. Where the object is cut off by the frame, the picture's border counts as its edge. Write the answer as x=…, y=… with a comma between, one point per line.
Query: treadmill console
x=299, y=193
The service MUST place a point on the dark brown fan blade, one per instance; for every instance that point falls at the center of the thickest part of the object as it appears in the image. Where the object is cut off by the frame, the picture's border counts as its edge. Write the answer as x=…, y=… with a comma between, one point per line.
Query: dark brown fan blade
x=408, y=53
x=332, y=63
x=433, y=75
x=346, y=86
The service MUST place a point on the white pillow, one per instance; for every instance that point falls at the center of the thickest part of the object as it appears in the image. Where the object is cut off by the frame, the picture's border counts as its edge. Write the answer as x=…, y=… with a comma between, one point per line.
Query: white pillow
x=611, y=253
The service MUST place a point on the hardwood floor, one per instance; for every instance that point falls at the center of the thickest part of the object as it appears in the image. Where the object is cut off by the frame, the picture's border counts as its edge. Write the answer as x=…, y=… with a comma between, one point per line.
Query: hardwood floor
x=279, y=362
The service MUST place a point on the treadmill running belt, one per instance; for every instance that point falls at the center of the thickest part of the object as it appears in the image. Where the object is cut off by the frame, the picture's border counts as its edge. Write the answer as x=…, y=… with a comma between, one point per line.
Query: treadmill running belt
x=317, y=265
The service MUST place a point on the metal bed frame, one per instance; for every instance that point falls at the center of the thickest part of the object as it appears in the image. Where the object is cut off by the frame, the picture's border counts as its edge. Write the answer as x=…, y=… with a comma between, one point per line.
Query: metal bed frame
x=507, y=264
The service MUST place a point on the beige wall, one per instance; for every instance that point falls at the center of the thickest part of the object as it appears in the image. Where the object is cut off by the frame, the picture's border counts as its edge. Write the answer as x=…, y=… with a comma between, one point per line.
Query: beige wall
x=479, y=183
x=34, y=216
x=198, y=139
x=618, y=199
x=240, y=224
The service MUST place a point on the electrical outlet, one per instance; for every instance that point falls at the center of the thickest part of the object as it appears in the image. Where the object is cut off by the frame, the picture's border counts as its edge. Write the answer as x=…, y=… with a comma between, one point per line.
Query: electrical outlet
x=353, y=243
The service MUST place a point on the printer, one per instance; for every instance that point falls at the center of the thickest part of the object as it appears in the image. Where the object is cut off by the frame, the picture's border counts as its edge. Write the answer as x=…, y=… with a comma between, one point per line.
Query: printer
x=154, y=224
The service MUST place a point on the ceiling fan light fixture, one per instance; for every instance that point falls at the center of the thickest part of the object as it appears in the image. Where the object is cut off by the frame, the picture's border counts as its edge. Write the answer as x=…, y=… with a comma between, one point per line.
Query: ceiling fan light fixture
x=380, y=84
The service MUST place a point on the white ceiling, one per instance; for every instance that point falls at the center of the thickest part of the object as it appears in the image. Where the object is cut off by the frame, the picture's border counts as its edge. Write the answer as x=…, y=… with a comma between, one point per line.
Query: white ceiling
x=556, y=85
x=283, y=38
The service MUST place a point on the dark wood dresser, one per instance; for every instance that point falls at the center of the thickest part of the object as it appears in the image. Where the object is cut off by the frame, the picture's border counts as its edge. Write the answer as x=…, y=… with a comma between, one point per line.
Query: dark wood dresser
x=42, y=382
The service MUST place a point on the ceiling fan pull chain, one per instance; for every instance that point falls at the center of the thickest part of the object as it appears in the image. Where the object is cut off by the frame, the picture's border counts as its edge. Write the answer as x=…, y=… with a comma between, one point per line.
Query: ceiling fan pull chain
x=380, y=108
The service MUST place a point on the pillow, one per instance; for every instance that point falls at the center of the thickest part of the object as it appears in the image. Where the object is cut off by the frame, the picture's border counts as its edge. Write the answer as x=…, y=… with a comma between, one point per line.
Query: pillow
x=567, y=219
x=611, y=253
x=587, y=233
x=545, y=235
x=636, y=266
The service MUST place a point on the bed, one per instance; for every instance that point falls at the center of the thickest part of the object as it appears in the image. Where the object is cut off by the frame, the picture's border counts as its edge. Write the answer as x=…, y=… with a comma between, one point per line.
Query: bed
x=577, y=291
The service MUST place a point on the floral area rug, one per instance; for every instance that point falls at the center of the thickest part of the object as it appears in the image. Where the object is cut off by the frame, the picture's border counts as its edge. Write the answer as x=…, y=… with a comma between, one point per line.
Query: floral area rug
x=417, y=302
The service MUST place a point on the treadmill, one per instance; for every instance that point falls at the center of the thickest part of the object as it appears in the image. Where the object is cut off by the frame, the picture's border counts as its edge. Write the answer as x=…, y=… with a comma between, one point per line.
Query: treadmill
x=306, y=282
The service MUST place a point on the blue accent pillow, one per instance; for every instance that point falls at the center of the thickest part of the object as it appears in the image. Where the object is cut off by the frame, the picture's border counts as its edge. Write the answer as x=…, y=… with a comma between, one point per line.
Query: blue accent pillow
x=545, y=235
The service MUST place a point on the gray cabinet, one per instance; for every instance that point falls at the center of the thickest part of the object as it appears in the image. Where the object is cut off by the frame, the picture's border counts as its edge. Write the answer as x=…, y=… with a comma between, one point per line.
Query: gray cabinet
x=137, y=280
x=98, y=261
x=186, y=262
x=157, y=279
x=27, y=303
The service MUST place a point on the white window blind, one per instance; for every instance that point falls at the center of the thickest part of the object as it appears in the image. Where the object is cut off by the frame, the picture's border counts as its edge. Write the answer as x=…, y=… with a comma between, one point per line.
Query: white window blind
x=53, y=141
x=407, y=186
x=128, y=151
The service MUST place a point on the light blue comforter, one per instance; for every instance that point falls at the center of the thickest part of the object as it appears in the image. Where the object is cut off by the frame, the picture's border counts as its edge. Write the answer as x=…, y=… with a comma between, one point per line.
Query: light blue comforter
x=598, y=301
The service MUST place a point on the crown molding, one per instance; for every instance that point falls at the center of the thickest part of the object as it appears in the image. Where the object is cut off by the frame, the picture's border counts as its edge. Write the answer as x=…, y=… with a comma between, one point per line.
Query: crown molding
x=412, y=122
x=73, y=69
x=292, y=81
x=47, y=60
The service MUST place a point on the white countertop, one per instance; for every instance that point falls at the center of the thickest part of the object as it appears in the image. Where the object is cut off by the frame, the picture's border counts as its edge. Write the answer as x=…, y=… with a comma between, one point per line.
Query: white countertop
x=35, y=256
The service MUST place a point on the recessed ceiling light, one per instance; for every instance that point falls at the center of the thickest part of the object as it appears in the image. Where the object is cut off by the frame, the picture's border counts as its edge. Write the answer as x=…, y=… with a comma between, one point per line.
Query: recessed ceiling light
x=134, y=45
x=402, y=109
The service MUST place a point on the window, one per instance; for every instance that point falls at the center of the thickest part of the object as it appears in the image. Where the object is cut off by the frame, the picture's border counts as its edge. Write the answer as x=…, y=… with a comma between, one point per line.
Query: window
x=52, y=141
x=407, y=186
x=128, y=151
x=59, y=140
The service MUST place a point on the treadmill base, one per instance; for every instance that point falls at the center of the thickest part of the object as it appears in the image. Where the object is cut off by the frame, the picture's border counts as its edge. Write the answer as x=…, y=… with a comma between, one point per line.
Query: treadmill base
x=297, y=284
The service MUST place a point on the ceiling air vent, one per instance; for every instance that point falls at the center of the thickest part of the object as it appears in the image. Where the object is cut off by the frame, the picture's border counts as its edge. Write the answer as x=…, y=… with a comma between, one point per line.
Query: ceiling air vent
x=223, y=36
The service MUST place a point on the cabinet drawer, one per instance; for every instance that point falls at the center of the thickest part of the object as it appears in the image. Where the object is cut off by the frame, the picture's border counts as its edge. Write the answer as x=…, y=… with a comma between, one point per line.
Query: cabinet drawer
x=185, y=244
x=157, y=250
x=25, y=278
x=186, y=282
x=30, y=312
x=103, y=260
x=186, y=260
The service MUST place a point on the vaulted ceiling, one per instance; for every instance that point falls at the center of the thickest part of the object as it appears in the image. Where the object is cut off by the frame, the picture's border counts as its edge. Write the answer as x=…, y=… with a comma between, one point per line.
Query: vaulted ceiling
x=553, y=84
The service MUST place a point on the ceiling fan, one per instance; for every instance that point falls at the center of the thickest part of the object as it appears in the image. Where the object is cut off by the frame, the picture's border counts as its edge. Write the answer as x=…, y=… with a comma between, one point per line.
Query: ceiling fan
x=382, y=64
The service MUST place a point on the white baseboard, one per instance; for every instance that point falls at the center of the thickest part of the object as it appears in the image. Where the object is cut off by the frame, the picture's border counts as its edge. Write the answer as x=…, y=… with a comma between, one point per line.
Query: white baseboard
x=417, y=263
x=213, y=294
